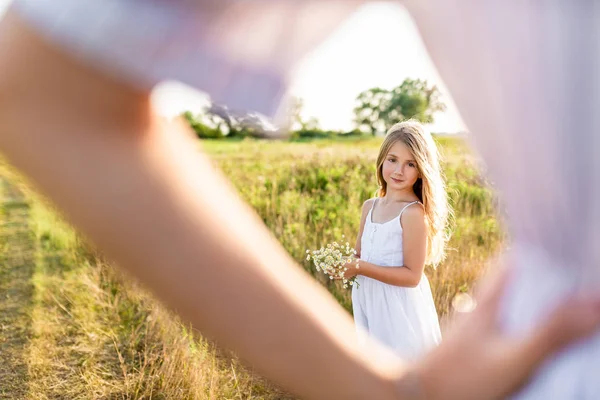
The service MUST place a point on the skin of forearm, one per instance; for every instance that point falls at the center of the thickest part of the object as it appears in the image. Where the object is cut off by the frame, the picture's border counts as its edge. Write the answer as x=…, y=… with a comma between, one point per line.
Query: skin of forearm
x=138, y=189
x=397, y=276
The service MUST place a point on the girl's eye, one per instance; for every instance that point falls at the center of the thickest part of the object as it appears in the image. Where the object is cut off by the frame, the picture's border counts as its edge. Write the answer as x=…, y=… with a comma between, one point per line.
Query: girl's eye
x=412, y=165
x=391, y=160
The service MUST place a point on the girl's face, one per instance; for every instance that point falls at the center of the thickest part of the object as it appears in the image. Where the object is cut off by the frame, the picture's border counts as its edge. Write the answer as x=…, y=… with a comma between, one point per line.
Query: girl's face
x=399, y=168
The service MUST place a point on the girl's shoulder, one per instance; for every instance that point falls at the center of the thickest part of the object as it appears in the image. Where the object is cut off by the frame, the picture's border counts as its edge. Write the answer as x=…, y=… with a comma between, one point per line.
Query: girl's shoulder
x=368, y=204
x=412, y=214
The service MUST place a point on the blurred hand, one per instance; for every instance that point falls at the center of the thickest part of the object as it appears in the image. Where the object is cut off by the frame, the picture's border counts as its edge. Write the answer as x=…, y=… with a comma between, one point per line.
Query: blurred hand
x=477, y=361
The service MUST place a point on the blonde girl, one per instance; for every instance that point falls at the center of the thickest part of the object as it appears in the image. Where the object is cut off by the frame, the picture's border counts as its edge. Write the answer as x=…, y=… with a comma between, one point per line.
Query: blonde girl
x=401, y=230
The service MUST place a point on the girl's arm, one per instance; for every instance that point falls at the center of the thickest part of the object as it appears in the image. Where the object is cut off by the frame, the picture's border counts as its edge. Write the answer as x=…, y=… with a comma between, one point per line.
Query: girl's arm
x=414, y=239
x=397, y=276
x=365, y=210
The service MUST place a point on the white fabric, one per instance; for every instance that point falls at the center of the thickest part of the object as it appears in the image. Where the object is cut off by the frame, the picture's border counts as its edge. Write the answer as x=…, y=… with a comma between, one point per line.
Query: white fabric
x=239, y=52
x=403, y=319
x=525, y=76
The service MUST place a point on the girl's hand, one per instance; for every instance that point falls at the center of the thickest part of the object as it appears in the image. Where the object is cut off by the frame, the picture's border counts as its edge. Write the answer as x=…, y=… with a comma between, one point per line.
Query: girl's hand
x=351, y=271
x=478, y=361
x=352, y=268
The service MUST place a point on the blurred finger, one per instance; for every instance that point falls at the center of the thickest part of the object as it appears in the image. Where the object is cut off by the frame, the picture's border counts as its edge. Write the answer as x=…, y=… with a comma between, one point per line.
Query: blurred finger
x=567, y=324
x=571, y=321
x=490, y=290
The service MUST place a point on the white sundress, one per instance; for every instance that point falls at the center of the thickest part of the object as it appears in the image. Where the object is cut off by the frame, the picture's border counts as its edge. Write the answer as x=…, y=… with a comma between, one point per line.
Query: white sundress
x=403, y=319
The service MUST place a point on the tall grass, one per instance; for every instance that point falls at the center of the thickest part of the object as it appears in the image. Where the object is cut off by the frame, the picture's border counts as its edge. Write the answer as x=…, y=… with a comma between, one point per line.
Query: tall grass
x=312, y=194
x=96, y=334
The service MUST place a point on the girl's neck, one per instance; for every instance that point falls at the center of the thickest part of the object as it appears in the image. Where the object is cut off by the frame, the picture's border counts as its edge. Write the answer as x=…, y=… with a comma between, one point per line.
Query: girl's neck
x=399, y=197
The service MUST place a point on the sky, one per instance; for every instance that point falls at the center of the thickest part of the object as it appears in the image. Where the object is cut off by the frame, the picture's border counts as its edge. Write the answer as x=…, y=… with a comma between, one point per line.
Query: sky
x=379, y=45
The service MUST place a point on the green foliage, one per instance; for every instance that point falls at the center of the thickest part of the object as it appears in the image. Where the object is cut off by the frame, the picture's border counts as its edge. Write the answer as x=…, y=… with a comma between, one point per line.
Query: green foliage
x=217, y=122
x=309, y=194
x=203, y=131
x=378, y=108
x=376, y=111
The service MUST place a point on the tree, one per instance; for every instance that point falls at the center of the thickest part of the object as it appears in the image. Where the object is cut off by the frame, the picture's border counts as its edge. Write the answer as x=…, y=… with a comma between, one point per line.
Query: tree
x=297, y=122
x=378, y=109
x=216, y=121
x=203, y=129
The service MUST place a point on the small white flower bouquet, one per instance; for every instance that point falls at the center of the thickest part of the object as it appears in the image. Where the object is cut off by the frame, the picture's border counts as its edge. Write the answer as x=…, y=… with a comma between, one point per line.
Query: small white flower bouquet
x=333, y=260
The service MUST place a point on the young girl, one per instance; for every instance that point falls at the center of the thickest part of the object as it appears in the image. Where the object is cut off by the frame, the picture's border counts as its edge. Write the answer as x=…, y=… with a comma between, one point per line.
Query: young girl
x=401, y=231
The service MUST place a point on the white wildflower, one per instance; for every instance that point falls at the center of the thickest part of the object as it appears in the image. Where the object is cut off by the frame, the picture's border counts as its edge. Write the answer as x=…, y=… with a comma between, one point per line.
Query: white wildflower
x=334, y=259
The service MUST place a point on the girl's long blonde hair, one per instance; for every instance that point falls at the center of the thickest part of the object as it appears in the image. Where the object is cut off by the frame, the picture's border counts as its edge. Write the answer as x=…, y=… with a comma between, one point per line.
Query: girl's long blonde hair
x=430, y=188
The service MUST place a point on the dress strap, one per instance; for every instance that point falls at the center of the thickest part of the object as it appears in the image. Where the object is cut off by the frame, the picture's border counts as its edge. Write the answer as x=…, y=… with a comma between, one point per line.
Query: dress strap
x=373, y=205
x=405, y=207
x=370, y=214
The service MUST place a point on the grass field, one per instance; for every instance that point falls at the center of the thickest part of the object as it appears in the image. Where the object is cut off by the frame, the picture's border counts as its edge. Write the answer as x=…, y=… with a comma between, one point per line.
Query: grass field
x=73, y=327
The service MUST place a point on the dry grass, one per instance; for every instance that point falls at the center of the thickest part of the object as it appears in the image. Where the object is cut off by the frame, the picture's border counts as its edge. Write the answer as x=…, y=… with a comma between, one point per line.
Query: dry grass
x=73, y=327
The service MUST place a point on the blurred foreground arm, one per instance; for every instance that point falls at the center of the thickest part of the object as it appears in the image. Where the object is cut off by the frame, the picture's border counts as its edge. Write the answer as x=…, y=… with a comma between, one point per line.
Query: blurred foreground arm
x=140, y=190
